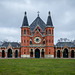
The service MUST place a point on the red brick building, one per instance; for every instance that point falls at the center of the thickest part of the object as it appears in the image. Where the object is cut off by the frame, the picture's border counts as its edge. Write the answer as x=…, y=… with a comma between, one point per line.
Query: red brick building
x=37, y=41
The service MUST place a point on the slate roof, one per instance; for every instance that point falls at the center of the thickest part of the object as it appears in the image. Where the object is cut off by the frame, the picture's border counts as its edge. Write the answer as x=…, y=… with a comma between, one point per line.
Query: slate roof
x=62, y=44
x=25, y=21
x=13, y=44
x=49, y=21
x=38, y=21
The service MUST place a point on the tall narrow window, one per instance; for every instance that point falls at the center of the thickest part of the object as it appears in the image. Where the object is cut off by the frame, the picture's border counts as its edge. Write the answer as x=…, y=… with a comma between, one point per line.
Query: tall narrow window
x=44, y=42
x=27, y=41
x=24, y=41
x=24, y=31
x=52, y=31
x=49, y=41
x=46, y=31
x=27, y=31
x=49, y=31
x=30, y=42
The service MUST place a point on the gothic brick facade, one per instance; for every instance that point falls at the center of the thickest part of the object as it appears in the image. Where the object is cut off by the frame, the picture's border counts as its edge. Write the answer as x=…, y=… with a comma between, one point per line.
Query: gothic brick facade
x=37, y=41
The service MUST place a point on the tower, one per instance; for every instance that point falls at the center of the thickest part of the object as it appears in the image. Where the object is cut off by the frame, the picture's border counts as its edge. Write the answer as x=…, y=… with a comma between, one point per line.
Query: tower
x=49, y=38
x=25, y=38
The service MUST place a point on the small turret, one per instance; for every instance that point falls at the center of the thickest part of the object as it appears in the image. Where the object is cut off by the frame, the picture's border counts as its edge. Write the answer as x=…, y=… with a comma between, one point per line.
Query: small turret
x=25, y=20
x=49, y=20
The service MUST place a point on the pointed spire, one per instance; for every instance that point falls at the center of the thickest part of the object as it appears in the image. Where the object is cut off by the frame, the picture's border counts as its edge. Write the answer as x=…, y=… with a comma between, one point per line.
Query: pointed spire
x=49, y=20
x=25, y=20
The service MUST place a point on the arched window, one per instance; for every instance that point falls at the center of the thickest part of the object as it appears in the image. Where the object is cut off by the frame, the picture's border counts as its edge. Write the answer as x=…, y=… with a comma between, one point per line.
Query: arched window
x=46, y=31
x=30, y=42
x=24, y=31
x=44, y=42
x=49, y=31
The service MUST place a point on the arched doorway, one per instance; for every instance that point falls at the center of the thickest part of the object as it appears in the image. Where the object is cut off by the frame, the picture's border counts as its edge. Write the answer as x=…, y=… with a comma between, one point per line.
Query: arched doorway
x=72, y=54
x=37, y=53
x=58, y=54
x=42, y=53
x=3, y=53
x=65, y=53
x=31, y=53
x=9, y=53
x=16, y=53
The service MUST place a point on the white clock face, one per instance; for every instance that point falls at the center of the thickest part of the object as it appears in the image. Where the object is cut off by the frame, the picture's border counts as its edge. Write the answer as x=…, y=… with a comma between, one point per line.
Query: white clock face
x=37, y=39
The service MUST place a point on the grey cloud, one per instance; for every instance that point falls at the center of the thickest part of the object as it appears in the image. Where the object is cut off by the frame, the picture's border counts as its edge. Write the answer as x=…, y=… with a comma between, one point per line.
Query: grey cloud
x=62, y=12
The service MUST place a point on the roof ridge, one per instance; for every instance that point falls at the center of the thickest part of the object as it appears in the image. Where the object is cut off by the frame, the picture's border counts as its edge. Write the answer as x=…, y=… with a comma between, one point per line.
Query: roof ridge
x=37, y=21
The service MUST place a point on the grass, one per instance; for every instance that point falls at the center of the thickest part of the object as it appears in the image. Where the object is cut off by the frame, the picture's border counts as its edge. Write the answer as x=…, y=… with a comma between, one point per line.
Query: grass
x=37, y=66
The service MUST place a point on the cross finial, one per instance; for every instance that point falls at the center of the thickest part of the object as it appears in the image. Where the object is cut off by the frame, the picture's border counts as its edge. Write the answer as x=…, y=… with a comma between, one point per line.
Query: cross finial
x=38, y=13
x=49, y=13
x=25, y=13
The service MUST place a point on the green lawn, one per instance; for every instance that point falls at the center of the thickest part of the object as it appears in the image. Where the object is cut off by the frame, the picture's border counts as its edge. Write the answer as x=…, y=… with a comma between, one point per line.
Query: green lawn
x=37, y=66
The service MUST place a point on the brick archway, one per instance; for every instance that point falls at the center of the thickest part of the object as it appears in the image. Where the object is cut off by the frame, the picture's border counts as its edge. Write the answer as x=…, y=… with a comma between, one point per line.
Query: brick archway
x=58, y=54
x=16, y=54
x=10, y=53
x=65, y=53
x=37, y=53
x=3, y=53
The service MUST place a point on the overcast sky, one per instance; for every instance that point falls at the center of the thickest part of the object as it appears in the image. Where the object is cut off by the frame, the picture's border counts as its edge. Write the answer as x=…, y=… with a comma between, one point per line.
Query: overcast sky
x=12, y=14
